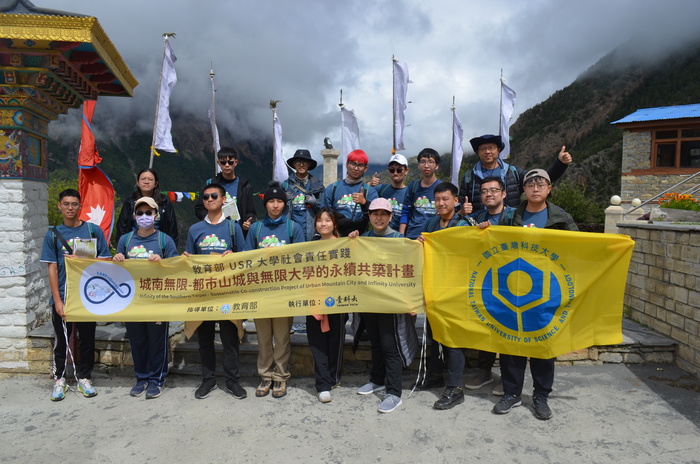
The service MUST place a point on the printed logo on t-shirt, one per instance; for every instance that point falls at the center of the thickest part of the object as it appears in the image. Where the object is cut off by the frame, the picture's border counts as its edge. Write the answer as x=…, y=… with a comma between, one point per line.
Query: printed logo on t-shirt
x=270, y=241
x=345, y=200
x=299, y=202
x=212, y=242
x=395, y=205
x=139, y=252
x=425, y=206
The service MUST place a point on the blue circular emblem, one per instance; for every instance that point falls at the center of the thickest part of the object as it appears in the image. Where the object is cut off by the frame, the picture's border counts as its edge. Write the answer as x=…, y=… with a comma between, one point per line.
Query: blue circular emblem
x=225, y=309
x=517, y=304
x=330, y=302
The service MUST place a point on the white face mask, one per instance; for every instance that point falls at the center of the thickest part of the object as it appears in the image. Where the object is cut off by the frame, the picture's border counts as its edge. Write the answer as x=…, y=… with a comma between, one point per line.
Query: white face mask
x=145, y=222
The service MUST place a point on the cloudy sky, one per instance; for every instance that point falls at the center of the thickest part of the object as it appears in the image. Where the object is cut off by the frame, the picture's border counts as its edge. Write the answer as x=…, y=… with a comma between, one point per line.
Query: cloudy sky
x=303, y=52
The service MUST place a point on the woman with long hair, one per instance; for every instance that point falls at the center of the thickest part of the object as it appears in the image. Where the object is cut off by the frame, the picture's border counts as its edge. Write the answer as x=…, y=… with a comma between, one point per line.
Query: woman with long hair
x=147, y=185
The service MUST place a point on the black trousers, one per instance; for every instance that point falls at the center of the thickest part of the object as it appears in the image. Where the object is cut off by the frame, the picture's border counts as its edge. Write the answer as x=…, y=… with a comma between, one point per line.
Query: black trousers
x=149, y=350
x=387, y=365
x=455, y=365
x=207, y=354
x=513, y=374
x=86, y=337
x=327, y=349
x=486, y=360
x=435, y=363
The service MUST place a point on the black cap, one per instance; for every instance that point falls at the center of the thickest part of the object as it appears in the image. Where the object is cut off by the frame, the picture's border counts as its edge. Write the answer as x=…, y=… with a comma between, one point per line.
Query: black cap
x=302, y=154
x=487, y=138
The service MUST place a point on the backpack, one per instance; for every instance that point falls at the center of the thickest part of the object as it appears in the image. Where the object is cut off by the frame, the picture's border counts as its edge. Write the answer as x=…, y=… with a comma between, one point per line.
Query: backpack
x=161, y=241
x=256, y=227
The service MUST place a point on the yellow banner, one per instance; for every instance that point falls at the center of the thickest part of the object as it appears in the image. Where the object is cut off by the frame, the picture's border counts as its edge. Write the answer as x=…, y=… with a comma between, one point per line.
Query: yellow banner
x=322, y=277
x=525, y=291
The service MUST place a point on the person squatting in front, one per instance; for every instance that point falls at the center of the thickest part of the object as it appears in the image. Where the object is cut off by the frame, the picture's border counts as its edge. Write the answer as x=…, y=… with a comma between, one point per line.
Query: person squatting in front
x=446, y=200
x=535, y=211
x=274, y=347
x=216, y=235
x=60, y=242
x=326, y=333
x=393, y=336
x=148, y=340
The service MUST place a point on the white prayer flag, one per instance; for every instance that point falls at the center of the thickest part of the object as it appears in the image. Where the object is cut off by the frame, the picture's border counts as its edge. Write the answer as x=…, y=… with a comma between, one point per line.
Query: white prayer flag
x=507, y=108
x=279, y=166
x=212, y=121
x=457, y=152
x=164, y=138
x=400, y=102
x=350, y=135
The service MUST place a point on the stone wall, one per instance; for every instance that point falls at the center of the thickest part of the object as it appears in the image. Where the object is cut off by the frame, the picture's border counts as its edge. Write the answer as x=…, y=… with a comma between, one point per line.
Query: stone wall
x=636, y=151
x=663, y=284
x=24, y=289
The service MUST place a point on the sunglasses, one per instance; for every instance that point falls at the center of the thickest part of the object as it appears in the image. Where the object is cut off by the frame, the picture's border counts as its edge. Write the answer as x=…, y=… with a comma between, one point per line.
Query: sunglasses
x=147, y=213
x=226, y=162
x=213, y=196
x=395, y=170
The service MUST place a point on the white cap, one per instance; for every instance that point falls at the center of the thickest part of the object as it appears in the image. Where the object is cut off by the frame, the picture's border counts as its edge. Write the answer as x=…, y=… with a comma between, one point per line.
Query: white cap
x=400, y=159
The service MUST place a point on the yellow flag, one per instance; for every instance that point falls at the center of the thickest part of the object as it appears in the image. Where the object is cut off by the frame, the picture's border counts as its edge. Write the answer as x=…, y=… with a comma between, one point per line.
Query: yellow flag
x=366, y=274
x=525, y=291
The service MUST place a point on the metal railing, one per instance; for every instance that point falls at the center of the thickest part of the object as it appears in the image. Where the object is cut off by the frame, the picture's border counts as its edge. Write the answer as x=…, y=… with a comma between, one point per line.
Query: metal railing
x=690, y=191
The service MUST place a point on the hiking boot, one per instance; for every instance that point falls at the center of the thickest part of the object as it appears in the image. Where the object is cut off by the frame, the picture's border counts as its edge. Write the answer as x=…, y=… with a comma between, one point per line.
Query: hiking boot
x=234, y=388
x=369, y=388
x=279, y=389
x=498, y=389
x=263, y=389
x=154, y=390
x=478, y=381
x=324, y=397
x=542, y=410
x=85, y=387
x=139, y=388
x=507, y=403
x=205, y=388
x=434, y=381
x=59, y=390
x=389, y=403
x=451, y=397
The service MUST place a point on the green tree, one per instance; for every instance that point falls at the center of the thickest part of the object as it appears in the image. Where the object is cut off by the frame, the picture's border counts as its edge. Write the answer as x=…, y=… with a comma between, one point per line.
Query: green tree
x=56, y=186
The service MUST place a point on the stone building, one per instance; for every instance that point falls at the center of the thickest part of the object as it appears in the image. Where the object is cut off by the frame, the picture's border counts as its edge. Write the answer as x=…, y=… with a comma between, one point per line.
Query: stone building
x=660, y=147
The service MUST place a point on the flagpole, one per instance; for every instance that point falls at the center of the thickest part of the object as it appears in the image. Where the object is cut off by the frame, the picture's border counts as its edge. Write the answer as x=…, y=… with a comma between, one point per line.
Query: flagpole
x=393, y=106
x=273, y=107
x=500, y=106
x=166, y=36
x=213, y=117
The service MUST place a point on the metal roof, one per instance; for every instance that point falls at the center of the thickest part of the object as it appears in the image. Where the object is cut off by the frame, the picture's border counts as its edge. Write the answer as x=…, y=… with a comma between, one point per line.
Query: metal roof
x=662, y=113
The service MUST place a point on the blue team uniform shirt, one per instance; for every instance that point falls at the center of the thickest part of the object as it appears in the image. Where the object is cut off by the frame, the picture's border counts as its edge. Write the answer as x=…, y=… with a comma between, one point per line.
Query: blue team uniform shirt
x=396, y=198
x=273, y=233
x=53, y=251
x=342, y=200
x=418, y=207
x=143, y=247
x=204, y=238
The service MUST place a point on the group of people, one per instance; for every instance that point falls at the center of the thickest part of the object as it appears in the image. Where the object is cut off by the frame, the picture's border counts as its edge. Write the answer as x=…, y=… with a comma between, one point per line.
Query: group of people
x=297, y=210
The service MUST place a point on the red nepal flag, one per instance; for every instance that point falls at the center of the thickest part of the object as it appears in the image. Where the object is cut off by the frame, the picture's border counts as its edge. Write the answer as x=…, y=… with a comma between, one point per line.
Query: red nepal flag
x=96, y=191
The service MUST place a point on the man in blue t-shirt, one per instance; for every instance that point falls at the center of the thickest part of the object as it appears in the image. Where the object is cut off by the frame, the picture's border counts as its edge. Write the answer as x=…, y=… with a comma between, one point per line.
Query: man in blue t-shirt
x=535, y=211
x=395, y=192
x=419, y=203
x=351, y=197
x=74, y=238
x=148, y=340
x=216, y=235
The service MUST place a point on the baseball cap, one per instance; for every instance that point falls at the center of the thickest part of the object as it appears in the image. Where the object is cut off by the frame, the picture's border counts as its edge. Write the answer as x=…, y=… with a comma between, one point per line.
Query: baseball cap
x=400, y=159
x=148, y=201
x=381, y=203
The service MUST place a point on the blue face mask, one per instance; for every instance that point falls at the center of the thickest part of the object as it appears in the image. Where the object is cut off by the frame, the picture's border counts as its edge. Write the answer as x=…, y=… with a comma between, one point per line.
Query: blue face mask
x=145, y=222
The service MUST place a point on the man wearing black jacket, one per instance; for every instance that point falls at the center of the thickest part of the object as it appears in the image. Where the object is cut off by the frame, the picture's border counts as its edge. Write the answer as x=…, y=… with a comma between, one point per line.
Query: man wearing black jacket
x=487, y=148
x=237, y=188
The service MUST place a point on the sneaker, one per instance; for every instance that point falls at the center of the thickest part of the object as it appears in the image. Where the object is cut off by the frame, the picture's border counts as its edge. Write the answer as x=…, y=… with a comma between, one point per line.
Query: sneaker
x=139, y=388
x=279, y=389
x=59, y=390
x=205, y=388
x=154, y=390
x=85, y=387
x=369, y=388
x=264, y=388
x=507, y=403
x=434, y=381
x=542, y=410
x=498, y=389
x=389, y=403
x=451, y=397
x=234, y=388
x=478, y=381
x=324, y=397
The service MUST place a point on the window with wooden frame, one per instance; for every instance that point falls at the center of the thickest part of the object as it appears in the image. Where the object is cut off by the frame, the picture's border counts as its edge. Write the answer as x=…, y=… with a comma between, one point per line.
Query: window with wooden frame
x=676, y=148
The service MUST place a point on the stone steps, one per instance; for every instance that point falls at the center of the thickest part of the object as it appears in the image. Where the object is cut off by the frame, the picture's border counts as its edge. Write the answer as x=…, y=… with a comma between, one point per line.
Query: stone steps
x=640, y=345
